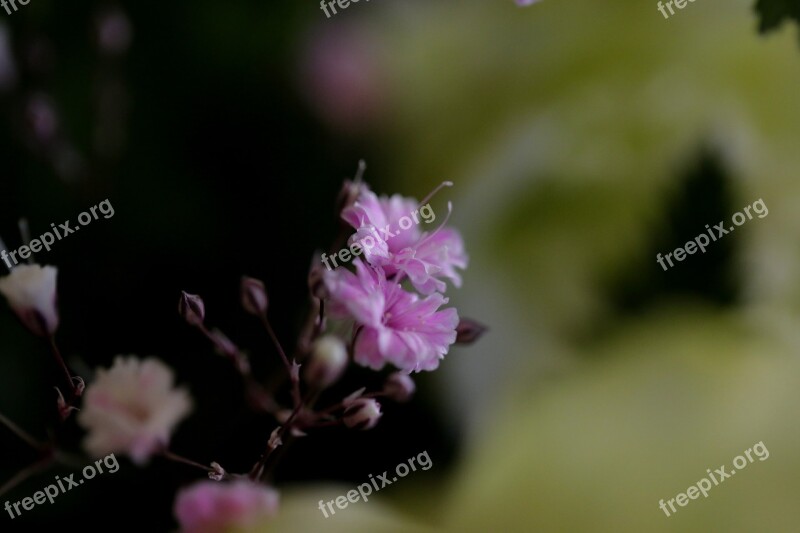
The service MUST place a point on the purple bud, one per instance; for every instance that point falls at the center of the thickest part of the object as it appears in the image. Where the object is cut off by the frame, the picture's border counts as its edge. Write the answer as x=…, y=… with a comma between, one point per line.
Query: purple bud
x=327, y=363
x=399, y=387
x=64, y=409
x=363, y=414
x=192, y=308
x=469, y=331
x=254, y=296
x=275, y=438
x=218, y=474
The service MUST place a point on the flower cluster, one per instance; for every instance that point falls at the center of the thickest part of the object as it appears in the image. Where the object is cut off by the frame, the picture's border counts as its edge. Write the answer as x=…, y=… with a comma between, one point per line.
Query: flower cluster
x=393, y=299
x=394, y=325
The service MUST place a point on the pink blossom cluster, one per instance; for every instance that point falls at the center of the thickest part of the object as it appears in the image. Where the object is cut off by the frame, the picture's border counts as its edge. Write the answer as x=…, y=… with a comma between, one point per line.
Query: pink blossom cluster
x=394, y=324
x=393, y=299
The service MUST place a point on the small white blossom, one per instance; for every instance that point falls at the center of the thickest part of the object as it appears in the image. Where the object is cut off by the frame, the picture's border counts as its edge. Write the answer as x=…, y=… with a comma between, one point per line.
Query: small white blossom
x=132, y=408
x=328, y=362
x=31, y=293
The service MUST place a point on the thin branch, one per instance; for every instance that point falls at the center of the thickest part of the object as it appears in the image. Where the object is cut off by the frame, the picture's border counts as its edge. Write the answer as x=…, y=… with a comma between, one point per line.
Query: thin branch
x=257, y=472
x=25, y=473
x=22, y=434
x=61, y=363
x=289, y=368
x=180, y=459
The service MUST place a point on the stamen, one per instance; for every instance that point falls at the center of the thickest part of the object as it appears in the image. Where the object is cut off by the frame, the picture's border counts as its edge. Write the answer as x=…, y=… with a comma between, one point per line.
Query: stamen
x=449, y=212
x=434, y=191
x=362, y=167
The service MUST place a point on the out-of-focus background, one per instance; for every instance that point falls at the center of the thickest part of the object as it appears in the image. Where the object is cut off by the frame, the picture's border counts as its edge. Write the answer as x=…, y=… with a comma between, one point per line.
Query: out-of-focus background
x=583, y=139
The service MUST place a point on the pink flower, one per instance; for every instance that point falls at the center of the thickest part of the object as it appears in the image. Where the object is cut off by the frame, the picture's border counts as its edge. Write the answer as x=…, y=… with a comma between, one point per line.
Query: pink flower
x=342, y=76
x=388, y=231
x=434, y=256
x=397, y=326
x=132, y=408
x=214, y=507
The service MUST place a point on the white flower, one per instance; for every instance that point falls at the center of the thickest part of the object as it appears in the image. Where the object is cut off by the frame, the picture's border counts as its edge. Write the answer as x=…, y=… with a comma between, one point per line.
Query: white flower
x=31, y=293
x=132, y=408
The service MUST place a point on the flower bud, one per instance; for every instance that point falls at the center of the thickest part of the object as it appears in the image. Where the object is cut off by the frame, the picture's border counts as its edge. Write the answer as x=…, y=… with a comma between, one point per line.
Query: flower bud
x=399, y=387
x=192, y=309
x=254, y=296
x=469, y=331
x=64, y=409
x=362, y=414
x=218, y=474
x=327, y=363
x=316, y=278
x=31, y=293
x=275, y=438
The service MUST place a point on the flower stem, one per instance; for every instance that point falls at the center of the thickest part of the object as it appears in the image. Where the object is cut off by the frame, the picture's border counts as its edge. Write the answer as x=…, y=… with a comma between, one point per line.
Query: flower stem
x=258, y=472
x=340, y=405
x=61, y=363
x=180, y=459
x=19, y=432
x=25, y=473
x=292, y=375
